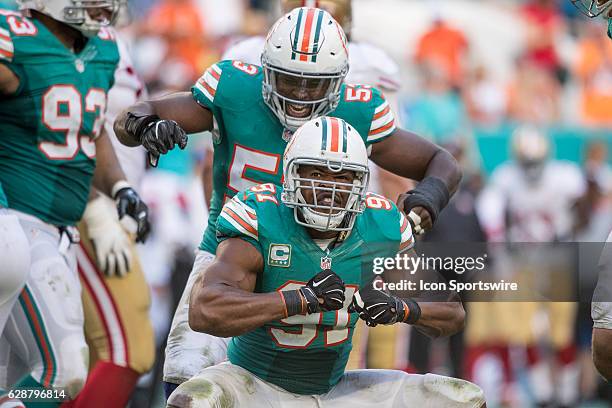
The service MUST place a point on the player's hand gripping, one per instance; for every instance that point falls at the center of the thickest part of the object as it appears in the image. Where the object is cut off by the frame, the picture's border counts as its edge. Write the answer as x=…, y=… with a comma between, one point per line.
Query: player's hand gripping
x=424, y=203
x=156, y=135
x=322, y=293
x=377, y=307
x=129, y=203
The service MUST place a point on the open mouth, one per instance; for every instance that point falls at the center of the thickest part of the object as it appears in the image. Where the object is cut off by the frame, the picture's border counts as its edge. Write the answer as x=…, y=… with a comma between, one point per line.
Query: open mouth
x=298, y=111
x=325, y=199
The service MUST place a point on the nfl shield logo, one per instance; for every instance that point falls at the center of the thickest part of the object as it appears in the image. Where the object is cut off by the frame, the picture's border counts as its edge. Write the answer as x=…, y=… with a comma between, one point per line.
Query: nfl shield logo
x=325, y=262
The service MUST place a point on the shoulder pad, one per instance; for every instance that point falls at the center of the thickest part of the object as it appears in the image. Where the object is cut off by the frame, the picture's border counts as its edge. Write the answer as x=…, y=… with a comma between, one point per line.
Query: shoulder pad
x=228, y=84
x=383, y=213
x=367, y=110
x=13, y=24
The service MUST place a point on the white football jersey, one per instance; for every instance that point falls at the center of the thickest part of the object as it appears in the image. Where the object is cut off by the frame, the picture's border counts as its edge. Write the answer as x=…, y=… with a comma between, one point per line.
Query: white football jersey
x=511, y=208
x=127, y=90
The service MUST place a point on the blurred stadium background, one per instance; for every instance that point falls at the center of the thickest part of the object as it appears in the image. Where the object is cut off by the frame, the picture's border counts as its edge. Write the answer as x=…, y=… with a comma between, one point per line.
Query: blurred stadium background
x=471, y=72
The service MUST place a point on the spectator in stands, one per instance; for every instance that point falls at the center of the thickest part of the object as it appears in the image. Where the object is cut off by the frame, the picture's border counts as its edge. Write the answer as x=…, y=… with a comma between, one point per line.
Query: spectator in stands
x=545, y=25
x=534, y=94
x=179, y=24
x=485, y=99
x=594, y=72
x=438, y=112
x=444, y=47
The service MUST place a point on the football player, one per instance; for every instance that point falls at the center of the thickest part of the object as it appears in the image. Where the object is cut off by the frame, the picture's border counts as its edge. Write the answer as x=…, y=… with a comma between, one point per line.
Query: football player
x=530, y=200
x=57, y=65
x=368, y=65
x=15, y=255
x=601, y=313
x=253, y=111
x=291, y=279
x=116, y=298
x=595, y=8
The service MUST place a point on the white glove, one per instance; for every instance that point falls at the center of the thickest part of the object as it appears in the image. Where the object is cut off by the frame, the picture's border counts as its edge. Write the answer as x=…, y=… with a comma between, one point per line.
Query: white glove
x=111, y=243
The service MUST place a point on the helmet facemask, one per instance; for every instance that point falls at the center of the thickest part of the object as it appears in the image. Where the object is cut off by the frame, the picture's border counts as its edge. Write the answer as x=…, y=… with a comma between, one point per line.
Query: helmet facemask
x=593, y=8
x=319, y=93
x=86, y=16
x=333, y=205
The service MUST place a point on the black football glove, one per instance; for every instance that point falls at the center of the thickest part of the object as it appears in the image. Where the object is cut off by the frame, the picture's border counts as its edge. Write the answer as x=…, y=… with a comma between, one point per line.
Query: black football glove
x=156, y=135
x=130, y=203
x=328, y=287
x=377, y=307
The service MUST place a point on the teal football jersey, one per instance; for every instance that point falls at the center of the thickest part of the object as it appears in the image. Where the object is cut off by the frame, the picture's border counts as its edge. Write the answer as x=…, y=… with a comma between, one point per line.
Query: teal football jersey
x=3, y=201
x=250, y=140
x=48, y=127
x=306, y=354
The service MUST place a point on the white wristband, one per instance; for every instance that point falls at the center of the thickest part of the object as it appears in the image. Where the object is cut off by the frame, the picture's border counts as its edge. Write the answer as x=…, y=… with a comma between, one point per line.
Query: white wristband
x=121, y=184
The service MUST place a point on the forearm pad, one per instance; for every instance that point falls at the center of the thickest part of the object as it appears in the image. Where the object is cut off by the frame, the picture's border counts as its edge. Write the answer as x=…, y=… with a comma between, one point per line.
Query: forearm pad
x=431, y=193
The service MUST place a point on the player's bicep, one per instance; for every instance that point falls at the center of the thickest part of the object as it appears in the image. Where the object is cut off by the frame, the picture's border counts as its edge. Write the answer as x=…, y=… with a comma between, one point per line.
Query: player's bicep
x=404, y=153
x=9, y=81
x=237, y=264
x=184, y=110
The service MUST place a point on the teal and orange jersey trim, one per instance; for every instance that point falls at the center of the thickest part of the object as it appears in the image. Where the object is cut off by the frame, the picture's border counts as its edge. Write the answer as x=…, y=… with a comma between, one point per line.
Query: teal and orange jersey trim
x=242, y=217
x=7, y=48
x=39, y=332
x=306, y=39
x=334, y=135
x=407, y=239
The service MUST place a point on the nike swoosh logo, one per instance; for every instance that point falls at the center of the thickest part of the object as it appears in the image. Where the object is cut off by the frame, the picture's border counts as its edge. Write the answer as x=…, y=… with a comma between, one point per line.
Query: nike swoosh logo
x=316, y=284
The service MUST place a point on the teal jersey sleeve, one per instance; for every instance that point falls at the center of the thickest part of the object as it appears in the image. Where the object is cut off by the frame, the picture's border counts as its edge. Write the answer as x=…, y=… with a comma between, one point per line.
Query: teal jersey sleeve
x=406, y=237
x=367, y=110
x=610, y=28
x=238, y=219
x=384, y=223
x=204, y=91
x=7, y=44
x=227, y=86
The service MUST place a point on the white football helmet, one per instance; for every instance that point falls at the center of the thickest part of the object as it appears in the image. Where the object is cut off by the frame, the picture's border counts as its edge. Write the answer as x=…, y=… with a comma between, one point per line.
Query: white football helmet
x=305, y=60
x=341, y=10
x=335, y=145
x=531, y=148
x=77, y=13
